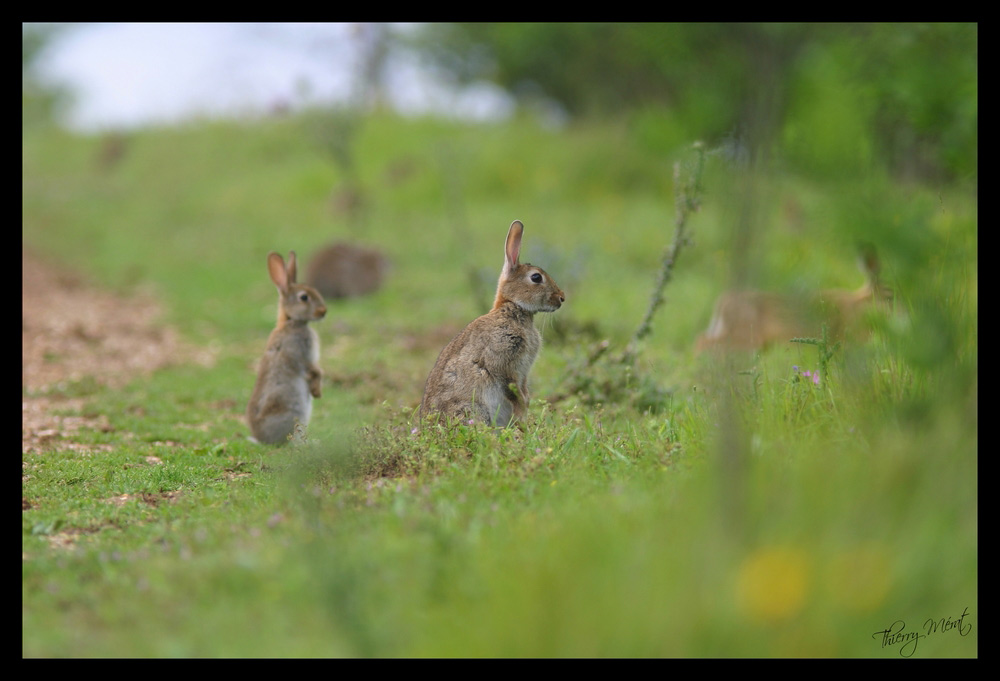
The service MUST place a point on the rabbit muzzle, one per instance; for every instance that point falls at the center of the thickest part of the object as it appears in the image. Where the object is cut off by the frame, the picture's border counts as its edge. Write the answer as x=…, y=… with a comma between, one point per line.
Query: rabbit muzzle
x=557, y=299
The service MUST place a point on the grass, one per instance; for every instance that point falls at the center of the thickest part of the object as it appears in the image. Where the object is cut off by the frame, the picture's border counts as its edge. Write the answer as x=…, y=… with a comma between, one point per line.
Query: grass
x=736, y=509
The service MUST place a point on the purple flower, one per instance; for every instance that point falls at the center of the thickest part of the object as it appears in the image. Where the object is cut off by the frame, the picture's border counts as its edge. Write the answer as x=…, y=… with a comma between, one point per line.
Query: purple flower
x=807, y=374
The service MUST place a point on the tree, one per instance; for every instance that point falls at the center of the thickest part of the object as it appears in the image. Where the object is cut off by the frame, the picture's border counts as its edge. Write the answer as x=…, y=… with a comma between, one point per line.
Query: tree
x=40, y=102
x=907, y=91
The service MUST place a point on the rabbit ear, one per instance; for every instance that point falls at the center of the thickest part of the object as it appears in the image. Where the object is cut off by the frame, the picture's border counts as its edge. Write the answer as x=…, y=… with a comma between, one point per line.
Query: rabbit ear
x=512, y=250
x=276, y=267
x=868, y=258
x=292, y=267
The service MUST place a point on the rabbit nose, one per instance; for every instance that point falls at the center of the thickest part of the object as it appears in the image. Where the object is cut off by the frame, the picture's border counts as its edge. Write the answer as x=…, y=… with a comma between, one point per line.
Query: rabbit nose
x=320, y=312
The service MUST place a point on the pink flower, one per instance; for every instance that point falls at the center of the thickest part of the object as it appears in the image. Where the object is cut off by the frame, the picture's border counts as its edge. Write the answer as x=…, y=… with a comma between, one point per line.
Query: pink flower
x=808, y=374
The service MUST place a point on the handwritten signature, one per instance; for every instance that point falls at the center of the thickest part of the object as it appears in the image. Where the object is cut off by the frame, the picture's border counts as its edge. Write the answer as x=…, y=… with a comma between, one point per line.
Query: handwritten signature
x=907, y=641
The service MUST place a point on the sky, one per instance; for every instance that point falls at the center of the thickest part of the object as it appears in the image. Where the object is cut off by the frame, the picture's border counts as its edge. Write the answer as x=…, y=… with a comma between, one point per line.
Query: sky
x=132, y=74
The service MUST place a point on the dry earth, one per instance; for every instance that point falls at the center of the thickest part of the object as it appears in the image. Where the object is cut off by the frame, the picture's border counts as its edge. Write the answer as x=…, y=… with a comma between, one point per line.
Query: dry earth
x=72, y=331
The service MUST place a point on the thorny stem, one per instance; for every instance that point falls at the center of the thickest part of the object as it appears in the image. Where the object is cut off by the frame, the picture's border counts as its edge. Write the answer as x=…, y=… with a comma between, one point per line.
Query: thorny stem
x=687, y=199
x=825, y=349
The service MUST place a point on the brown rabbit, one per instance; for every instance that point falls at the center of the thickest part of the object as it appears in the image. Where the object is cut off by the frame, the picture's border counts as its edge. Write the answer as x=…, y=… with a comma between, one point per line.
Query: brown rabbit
x=753, y=320
x=289, y=374
x=483, y=373
x=343, y=270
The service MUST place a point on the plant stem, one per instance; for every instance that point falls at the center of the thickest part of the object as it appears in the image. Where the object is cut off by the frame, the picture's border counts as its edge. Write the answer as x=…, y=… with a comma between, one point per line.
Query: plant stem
x=687, y=199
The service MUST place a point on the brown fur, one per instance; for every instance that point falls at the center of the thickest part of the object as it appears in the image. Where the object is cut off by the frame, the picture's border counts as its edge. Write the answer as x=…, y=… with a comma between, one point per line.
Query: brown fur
x=343, y=270
x=483, y=373
x=289, y=375
x=754, y=320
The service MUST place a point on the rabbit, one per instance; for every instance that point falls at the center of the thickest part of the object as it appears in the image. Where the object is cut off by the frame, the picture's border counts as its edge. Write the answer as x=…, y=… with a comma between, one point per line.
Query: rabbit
x=754, y=320
x=289, y=374
x=343, y=270
x=482, y=374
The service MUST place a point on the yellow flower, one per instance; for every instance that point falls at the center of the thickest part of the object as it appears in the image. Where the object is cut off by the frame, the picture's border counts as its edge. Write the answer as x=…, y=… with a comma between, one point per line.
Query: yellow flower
x=772, y=583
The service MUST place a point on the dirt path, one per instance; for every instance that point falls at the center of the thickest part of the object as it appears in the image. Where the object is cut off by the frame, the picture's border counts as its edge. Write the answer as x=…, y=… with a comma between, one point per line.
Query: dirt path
x=73, y=331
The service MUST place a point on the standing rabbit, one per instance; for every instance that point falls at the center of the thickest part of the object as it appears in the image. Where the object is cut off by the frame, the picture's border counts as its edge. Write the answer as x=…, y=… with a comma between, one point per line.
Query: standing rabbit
x=754, y=320
x=483, y=373
x=289, y=374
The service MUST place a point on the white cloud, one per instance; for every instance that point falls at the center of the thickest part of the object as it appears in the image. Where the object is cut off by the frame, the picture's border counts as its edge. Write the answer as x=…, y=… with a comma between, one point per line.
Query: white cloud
x=131, y=74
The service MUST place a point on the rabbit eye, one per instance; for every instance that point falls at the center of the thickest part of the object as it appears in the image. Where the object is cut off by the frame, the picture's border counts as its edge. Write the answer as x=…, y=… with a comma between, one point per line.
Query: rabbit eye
x=303, y=297
x=536, y=277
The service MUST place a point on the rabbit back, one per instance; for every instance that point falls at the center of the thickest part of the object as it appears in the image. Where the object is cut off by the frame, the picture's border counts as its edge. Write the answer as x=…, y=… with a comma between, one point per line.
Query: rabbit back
x=746, y=320
x=282, y=396
x=344, y=270
x=483, y=373
x=752, y=320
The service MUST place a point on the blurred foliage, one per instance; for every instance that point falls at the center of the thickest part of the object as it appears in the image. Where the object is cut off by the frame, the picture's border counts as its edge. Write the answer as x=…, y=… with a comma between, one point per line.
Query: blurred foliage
x=833, y=97
x=40, y=101
x=723, y=508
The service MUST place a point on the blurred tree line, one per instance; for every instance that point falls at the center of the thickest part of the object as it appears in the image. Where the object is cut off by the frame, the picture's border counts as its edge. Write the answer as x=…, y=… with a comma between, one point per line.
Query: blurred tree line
x=40, y=101
x=833, y=97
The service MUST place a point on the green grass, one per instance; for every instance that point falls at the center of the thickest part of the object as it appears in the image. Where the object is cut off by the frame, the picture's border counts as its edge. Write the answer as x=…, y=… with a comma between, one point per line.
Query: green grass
x=739, y=511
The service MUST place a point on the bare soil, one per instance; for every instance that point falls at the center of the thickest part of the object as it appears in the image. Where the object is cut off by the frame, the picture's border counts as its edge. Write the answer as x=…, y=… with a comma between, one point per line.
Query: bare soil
x=73, y=331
